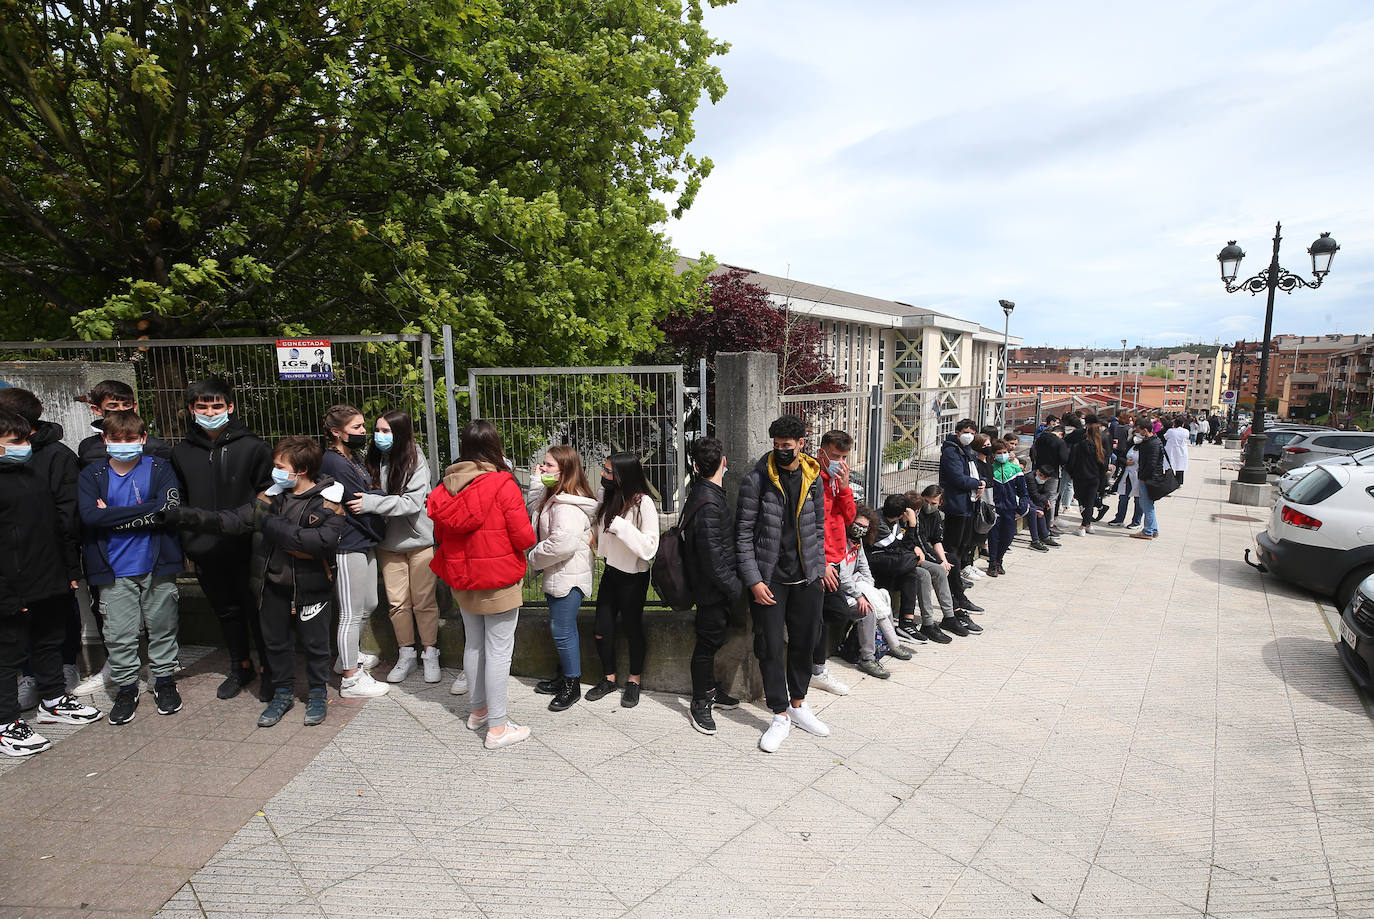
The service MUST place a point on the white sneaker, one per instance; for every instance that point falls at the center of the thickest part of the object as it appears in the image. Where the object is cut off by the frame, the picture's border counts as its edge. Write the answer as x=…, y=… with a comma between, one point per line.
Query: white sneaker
x=807, y=720
x=460, y=685
x=18, y=739
x=972, y=573
x=67, y=710
x=1081, y=532
x=430, y=658
x=27, y=687
x=1090, y=529
x=825, y=680
x=405, y=662
x=362, y=686
x=513, y=734
x=365, y=662
x=777, y=732
x=96, y=682
x=70, y=677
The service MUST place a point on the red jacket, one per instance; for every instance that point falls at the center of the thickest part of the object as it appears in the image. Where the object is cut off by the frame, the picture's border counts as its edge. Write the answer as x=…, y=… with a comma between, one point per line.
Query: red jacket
x=839, y=514
x=482, y=533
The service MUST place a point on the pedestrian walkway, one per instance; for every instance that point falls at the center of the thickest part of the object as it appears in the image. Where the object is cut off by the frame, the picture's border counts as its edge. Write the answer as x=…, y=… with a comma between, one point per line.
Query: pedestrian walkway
x=1145, y=729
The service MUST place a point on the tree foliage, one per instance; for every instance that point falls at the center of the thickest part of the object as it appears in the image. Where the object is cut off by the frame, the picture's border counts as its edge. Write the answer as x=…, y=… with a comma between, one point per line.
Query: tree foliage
x=189, y=167
x=732, y=314
x=1160, y=371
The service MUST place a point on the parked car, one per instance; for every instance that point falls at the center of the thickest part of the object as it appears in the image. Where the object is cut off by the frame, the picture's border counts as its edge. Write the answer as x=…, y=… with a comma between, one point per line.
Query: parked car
x=1290, y=478
x=1321, y=533
x=1315, y=446
x=1356, y=646
x=1278, y=437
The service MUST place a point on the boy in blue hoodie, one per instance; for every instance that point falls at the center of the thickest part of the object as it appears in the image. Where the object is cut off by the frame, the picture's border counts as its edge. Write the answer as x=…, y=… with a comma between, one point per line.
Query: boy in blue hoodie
x=134, y=557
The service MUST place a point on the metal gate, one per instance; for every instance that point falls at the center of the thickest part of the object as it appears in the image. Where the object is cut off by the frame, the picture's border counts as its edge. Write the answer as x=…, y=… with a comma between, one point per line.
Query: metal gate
x=376, y=373
x=596, y=410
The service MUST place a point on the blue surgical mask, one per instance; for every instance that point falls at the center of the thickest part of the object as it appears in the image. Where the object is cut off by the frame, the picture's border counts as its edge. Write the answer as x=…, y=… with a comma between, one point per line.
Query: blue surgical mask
x=211, y=422
x=283, y=478
x=834, y=468
x=383, y=441
x=16, y=454
x=124, y=452
x=1001, y=457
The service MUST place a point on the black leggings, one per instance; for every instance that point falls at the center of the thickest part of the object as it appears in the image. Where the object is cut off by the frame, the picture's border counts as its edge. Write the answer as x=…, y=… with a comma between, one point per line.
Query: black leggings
x=621, y=594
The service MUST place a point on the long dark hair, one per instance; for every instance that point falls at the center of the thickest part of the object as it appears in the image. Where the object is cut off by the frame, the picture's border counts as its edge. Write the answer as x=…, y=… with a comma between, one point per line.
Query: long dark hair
x=402, y=458
x=481, y=443
x=1094, y=437
x=624, y=492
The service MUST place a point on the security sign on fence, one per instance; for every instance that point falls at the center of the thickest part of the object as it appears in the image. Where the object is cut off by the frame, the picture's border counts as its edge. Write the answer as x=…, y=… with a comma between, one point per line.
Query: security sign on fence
x=305, y=359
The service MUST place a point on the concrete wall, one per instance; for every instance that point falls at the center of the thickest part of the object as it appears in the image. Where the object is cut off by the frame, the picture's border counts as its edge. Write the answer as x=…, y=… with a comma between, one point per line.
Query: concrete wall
x=58, y=384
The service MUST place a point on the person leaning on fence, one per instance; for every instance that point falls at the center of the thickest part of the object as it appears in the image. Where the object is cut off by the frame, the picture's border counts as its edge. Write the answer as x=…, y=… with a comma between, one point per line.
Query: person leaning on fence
x=712, y=577
x=398, y=471
x=294, y=526
x=625, y=532
x=780, y=545
x=56, y=466
x=38, y=567
x=133, y=555
x=962, y=484
x=113, y=396
x=345, y=432
x=482, y=529
x=223, y=465
x=561, y=509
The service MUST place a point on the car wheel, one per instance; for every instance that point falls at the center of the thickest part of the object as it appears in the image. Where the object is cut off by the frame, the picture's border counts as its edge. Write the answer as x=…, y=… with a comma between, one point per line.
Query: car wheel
x=1349, y=583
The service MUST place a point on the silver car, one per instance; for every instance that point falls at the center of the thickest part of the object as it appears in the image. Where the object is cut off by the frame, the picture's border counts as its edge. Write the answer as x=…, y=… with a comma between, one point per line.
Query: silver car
x=1316, y=446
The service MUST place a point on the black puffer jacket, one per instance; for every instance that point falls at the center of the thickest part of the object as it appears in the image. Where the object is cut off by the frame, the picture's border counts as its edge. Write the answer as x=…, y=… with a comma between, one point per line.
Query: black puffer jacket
x=1051, y=453
x=712, y=575
x=930, y=529
x=35, y=561
x=758, y=531
x=1083, y=466
x=219, y=475
x=55, y=464
x=1149, y=459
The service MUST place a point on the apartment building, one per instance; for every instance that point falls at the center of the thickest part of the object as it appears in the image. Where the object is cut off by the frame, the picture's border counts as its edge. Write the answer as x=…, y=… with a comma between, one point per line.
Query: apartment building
x=1205, y=372
x=1288, y=354
x=1131, y=392
x=1109, y=363
x=1349, y=377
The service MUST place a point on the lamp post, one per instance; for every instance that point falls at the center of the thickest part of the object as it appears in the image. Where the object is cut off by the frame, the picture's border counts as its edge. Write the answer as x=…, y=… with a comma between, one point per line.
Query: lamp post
x=1007, y=307
x=1121, y=396
x=1271, y=279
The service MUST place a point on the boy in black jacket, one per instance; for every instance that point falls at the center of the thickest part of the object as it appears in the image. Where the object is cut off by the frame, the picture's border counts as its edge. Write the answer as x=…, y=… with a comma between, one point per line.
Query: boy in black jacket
x=113, y=396
x=38, y=567
x=223, y=466
x=295, y=527
x=711, y=575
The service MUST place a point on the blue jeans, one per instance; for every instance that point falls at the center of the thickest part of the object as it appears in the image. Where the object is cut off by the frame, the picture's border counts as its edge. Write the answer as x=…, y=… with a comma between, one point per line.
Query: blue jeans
x=563, y=625
x=1147, y=504
x=1000, y=537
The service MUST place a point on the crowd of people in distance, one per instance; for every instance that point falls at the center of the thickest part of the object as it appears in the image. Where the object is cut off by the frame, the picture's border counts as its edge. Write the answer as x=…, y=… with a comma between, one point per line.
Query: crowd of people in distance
x=287, y=542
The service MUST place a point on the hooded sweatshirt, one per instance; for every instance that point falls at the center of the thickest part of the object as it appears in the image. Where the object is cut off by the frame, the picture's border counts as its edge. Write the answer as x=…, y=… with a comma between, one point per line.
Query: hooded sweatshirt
x=482, y=531
x=408, y=527
x=563, y=527
x=219, y=475
x=56, y=466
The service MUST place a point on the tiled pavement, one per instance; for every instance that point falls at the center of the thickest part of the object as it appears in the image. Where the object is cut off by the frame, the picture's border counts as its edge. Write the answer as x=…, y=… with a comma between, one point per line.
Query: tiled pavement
x=1145, y=729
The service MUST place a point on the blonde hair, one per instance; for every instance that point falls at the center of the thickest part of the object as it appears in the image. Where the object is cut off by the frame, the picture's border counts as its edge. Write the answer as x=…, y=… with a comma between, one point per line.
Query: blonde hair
x=571, y=477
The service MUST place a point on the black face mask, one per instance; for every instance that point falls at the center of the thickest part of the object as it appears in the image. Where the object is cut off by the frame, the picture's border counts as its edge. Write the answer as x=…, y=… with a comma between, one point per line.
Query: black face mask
x=608, y=481
x=784, y=458
x=355, y=441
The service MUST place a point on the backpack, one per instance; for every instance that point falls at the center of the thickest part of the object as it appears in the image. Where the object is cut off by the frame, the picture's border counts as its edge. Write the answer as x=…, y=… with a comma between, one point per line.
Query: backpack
x=669, y=571
x=849, y=647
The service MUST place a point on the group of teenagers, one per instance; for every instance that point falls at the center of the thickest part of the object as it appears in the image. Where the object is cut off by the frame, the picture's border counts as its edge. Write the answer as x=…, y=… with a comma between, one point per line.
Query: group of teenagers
x=287, y=541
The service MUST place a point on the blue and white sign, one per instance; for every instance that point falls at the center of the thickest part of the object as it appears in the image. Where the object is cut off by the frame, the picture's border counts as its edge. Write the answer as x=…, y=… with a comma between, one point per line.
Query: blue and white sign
x=1228, y=397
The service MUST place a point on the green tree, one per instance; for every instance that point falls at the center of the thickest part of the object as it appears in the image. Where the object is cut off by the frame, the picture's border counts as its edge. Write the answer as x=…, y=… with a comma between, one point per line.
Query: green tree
x=1162, y=372
x=1317, y=404
x=181, y=167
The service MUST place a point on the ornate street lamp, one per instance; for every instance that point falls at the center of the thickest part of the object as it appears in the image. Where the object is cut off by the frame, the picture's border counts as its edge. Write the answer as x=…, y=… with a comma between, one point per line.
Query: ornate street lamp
x=1007, y=307
x=1271, y=279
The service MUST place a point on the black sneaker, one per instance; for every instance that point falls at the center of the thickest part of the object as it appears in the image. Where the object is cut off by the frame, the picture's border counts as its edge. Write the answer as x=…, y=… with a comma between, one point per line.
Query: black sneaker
x=723, y=700
x=968, y=585
x=603, y=688
x=700, y=711
x=1116, y=523
x=968, y=607
x=233, y=684
x=549, y=687
x=908, y=629
x=873, y=669
x=316, y=707
x=125, y=705
x=1132, y=525
x=569, y=691
x=935, y=634
x=168, y=699
x=281, y=703
x=1039, y=546
x=992, y=571
x=629, y=698
x=1052, y=542
x=968, y=624
x=950, y=624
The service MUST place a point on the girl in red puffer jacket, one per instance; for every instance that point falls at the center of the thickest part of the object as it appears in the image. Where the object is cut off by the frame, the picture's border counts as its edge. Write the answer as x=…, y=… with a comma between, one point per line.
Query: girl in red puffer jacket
x=482, y=532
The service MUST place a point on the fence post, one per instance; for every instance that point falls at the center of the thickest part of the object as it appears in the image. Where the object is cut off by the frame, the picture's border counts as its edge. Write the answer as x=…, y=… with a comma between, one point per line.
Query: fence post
x=873, y=480
x=430, y=423
x=701, y=396
x=449, y=385
x=679, y=444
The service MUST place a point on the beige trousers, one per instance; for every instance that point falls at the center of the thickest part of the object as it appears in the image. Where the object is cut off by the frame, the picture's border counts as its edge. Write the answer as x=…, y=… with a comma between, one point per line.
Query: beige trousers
x=410, y=595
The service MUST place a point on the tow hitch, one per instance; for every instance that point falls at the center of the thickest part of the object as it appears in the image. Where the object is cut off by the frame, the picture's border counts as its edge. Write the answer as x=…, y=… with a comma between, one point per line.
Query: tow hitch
x=1258, y=566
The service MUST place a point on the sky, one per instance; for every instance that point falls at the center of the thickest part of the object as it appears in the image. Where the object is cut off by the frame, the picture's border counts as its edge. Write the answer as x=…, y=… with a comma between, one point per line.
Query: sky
x=1085, y=160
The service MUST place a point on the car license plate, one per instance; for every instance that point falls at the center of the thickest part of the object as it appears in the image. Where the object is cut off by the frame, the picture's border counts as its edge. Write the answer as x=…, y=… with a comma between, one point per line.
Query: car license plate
x=1348, y=635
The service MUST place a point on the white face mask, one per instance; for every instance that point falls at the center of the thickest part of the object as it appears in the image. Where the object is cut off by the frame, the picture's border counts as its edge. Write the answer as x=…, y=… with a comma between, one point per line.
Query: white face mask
x=1136, y=439
x=966, y=438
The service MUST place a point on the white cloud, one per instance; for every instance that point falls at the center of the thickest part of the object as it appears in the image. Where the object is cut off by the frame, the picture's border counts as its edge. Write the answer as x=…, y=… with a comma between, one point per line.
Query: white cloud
x=1086, y=160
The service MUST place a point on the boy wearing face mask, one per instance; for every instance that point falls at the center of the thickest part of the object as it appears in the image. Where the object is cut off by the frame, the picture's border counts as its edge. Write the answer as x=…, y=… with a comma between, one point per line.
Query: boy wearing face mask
x=962, y=486
x=839, y=515
x=113, y=396
x=223, y=465
x=133, y=555
x=1012, y=500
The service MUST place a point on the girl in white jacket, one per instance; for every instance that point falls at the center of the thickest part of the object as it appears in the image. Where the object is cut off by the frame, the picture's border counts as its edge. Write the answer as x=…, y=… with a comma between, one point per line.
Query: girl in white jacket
x=626, y=534
x=561, y=510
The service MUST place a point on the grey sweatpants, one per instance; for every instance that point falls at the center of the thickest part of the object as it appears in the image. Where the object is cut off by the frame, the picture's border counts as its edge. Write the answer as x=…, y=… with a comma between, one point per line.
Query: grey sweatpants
x=488, y=642
x=131, y=605
x=932, y=574
x=868, y=642
x=356, y=585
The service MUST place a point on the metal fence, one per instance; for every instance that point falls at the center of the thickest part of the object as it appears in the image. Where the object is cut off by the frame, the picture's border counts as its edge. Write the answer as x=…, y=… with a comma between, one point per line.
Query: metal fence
x=844, y=411
x=376, y=373
x=597, y=411
x=916, y=422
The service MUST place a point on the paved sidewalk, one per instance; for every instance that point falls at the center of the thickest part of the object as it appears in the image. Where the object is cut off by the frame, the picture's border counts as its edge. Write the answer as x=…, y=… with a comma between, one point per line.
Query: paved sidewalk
x=1145, y=729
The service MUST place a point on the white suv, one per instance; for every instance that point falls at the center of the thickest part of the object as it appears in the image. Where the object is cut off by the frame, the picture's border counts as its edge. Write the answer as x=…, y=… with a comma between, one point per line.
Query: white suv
x=1321, y=532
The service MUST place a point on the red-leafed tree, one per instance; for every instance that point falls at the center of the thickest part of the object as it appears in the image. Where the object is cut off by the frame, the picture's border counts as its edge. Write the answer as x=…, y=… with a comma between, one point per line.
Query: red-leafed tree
x=735, y=315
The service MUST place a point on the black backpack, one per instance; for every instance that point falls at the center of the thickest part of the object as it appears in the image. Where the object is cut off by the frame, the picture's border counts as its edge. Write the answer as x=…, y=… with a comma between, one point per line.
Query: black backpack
x=669, y=571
